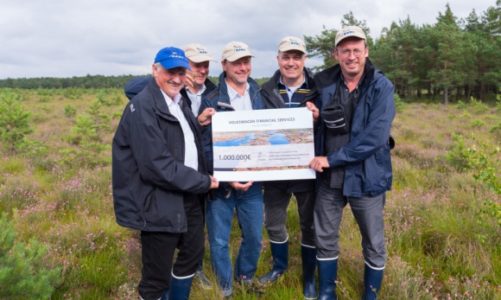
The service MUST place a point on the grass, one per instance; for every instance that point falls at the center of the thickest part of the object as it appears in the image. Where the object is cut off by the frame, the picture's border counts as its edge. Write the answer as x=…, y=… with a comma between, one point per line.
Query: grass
x=443, y=215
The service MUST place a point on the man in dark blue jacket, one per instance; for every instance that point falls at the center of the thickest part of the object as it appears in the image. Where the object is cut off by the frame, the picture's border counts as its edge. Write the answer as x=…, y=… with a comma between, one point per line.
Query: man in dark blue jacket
x=356, y=112
x=291, y=86
x=160, y=181
x=197, y=85
x=236, y=91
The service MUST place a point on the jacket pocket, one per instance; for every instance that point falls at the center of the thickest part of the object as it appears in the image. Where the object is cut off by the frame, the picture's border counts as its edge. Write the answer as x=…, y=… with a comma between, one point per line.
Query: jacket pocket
x=377, y=172
x=165, y=210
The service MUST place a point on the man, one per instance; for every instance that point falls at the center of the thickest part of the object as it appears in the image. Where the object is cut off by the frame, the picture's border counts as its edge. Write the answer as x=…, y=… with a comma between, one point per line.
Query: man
x=160, y=180
x=291, y=86
x=197, y=79
x=198, y=85
x=236, y=91
x=356, y=113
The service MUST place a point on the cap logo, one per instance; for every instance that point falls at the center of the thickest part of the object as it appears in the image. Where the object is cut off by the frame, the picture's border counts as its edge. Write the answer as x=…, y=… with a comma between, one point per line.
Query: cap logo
x=238, y=48
x=348, y=32
x=201, y=51
x=295, y=43
x=176, y=55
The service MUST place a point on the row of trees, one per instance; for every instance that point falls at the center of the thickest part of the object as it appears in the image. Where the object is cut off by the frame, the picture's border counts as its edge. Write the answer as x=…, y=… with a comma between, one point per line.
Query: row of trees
x=458, y=57
x=89, y=81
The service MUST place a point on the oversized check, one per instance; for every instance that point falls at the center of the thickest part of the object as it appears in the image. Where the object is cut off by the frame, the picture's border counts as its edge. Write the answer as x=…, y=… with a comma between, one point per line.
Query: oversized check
x=263, y=145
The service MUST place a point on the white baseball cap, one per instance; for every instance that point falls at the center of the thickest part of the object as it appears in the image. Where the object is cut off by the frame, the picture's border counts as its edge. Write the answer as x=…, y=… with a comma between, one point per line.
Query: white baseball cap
x=234, y=51
x=197, y=53
x=291, y=43
x=349, y=31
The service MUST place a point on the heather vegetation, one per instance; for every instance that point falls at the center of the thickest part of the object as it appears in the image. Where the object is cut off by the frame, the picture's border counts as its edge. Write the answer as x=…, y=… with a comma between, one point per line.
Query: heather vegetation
x=61, y=241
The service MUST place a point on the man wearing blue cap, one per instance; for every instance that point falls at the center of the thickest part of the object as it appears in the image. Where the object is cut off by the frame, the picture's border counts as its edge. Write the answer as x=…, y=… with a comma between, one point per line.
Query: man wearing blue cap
x=160, y=181
x=197, y=85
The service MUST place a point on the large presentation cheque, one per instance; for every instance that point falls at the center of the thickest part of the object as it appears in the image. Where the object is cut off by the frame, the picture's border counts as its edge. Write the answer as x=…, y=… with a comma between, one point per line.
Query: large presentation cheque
x=263, y=145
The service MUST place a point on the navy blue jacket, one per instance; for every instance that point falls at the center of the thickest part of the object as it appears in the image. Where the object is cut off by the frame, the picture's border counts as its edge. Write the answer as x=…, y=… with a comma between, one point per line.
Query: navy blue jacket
x=366, y=157
x=149, y=178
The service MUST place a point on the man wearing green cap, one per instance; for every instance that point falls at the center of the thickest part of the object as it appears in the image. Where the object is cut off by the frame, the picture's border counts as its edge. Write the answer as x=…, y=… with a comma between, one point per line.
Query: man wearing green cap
x=159, y=179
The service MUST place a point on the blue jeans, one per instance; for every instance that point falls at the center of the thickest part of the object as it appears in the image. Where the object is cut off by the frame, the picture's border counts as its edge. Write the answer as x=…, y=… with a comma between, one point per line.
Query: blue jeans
x=249, y=208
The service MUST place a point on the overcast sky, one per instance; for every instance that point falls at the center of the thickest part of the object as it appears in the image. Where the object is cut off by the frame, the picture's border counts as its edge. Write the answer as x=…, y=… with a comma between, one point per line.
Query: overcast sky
x=56, y=38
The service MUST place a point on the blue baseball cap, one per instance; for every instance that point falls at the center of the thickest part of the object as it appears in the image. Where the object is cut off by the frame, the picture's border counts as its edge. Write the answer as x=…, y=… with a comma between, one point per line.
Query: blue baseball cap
x=172, y=57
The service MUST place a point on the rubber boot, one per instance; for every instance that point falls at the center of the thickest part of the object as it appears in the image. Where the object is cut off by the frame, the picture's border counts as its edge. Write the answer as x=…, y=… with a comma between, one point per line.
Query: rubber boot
x=280, y=254
x=372, y=282
x=165, y=296
x=327, y=274
x=308, y=256
x=180, y=288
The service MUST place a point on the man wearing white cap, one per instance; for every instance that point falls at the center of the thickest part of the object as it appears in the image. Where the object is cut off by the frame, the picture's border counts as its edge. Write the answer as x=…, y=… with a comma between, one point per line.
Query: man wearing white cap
x=354, y=164
x=236, y=91
x=292, y=85
x=160, y=180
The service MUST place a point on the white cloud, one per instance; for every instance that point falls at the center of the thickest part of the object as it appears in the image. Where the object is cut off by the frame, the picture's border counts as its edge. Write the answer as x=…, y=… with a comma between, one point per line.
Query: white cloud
x=112, y=37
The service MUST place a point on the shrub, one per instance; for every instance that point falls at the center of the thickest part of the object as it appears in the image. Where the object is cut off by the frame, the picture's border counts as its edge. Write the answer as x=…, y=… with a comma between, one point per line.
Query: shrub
x=399, y=103
x=480, y=159
x=70, y=111
x=23, y=271
x=478, y=106
x=83, y=131
x=14, y=122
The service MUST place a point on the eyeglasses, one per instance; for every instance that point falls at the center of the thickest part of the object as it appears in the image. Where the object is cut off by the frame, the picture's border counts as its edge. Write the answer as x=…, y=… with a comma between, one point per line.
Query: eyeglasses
x=347, y=52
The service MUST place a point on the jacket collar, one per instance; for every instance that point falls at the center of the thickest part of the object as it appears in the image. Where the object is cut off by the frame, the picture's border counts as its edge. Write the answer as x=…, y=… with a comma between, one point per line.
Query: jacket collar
x=270, y=88
x=326, y=77
x=160, y=104
x=223, y=88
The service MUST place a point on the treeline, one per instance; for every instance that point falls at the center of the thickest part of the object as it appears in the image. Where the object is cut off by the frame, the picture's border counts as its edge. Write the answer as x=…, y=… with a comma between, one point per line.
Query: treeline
x=452, y=59
x=89, y=81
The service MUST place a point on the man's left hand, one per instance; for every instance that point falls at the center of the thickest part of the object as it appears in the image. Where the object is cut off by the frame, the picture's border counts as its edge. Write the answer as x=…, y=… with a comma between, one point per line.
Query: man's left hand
x=314, y=110
x=205, y=117
x=319, y=163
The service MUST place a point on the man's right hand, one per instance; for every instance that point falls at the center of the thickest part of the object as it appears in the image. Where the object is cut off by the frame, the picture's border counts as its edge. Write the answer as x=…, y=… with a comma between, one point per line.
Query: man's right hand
x=188, y=80
x=205, y=117
x=241, y=186
x=214, y=184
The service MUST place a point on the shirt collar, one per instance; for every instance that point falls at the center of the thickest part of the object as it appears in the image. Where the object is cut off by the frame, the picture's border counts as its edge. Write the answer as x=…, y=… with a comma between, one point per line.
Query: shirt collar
x=198, y=93
x=286, y=86
x=234, y=94
x=170, y=101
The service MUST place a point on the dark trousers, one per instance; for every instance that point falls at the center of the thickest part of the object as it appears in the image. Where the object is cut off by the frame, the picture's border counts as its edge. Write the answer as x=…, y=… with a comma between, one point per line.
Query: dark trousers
x=368, y=213
x=158, y=250
x=276, y=202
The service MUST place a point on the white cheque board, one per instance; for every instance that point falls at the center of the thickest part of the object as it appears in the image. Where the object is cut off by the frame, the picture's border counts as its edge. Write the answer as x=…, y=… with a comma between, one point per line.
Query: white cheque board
x=263, y=145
